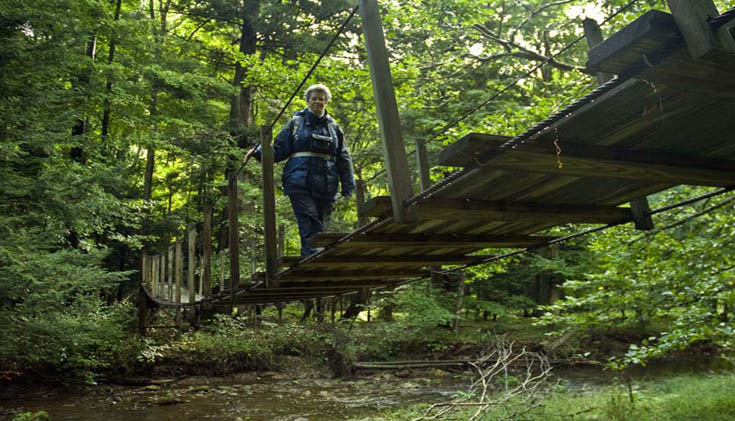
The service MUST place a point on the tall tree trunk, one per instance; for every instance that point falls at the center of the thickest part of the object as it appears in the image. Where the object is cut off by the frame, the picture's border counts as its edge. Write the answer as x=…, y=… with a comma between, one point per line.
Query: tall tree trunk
x=156, y=87
x=241, y=117
x=108, y=84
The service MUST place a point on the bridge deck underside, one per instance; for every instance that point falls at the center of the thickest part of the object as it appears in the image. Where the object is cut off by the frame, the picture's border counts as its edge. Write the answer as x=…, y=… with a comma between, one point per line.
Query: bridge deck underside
x=642, y=137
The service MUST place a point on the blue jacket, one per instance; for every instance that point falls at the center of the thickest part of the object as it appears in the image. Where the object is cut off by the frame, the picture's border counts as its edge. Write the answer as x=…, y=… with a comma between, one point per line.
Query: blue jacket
x=314, y=175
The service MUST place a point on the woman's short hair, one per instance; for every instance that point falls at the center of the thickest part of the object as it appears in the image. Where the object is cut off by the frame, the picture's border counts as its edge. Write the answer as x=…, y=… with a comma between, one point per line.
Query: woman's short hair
x=317, y=88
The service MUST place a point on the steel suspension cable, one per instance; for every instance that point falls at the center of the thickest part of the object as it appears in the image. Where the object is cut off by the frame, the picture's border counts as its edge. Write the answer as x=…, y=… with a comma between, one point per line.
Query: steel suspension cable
x=308, y=75
x=591, y=230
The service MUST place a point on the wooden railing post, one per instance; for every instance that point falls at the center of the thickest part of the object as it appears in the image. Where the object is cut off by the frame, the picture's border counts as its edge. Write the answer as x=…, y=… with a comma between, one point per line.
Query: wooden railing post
x=191, y=256
x=179, y=263
x=170, y=274
x=639, y=207
x=154, y=276
x=269, y=207
x=162, y=273
x=703, y=42
x=422, y=165
x=396, y=162
x=360, y=192
x=207, y=252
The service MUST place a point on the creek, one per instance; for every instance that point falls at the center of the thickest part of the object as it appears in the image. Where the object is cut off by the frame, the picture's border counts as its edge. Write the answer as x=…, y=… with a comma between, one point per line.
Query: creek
x=278, y=397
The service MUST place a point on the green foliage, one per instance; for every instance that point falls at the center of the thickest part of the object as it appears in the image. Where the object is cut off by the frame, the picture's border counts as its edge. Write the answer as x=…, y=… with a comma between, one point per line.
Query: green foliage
x=78, y=344
x=421, y=311
x=679, y=276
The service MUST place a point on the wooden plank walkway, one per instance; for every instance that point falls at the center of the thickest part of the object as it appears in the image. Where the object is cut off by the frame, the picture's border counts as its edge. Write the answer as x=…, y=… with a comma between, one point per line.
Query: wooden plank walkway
x=668, y=120
x=671, y=122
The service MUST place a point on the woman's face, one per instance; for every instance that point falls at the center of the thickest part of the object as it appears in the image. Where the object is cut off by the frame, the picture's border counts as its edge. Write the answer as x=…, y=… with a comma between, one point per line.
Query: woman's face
x=317, y=102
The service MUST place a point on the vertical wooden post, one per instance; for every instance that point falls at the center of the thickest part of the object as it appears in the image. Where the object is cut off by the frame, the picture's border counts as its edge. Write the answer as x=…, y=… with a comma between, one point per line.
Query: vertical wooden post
x=154, y=276
x=170, y=274
x=460, y=296
x=233, y=212
x=396, y=162
x=422, y=164
x=179, y=279
x=593, y=33
x=360, y=190
x=269, y=207
x=143, y=273
x=201, y=276
x=207, y=250
x=162, y=274
x=281, y=240
x=191, y=255
x=179, y=269
x=702, y=41
x=639, y=207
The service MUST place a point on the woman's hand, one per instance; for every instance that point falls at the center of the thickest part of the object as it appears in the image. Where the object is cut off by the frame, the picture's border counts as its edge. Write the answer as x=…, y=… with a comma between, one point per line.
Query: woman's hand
x=248, y=155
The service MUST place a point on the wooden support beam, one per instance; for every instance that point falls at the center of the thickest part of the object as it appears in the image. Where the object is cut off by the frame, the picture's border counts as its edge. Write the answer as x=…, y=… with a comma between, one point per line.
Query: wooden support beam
x=653, y=48
x=603, y=161
x=359, y=261
x=233, y=229
x=170, y=273
x=347, y=275
x=593, y=34
x=639, y=207
x=463, y=152
x=360, y=193
x=422, y=165
x=429, y=240
x=179, y=269
x=341, y=284
x=269, y=207
x=207, y=252
x=191, y=258
x=453, y=209
x=703, y=43
x=394, y=150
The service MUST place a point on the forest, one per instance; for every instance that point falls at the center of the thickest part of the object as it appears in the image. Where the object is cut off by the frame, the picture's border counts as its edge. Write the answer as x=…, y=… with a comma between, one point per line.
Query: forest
x=123, y=120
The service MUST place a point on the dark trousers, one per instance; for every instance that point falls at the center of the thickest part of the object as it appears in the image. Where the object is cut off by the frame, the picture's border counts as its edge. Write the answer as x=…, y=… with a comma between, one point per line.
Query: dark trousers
x=312, y=215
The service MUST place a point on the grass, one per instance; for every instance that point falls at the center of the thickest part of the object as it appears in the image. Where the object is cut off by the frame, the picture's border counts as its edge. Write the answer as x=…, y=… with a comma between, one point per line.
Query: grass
x=677, y=398
x=683, y=397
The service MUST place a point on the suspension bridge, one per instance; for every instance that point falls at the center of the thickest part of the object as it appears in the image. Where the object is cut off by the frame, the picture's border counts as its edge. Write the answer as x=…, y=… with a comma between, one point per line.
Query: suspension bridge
x=663, y=116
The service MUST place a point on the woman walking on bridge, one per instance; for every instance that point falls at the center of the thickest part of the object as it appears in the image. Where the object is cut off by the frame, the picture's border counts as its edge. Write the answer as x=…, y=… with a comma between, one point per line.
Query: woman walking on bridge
x=318, y=160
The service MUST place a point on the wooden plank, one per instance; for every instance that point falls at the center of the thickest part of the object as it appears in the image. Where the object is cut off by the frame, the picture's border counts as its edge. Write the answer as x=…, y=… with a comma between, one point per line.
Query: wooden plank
x=396, y=162
x=639, y=206
x=342, y=284
x=269, y=207
x=350, y=275
x=357, y=261
x=428, y=240
x=453, y=209
x=622, y=53
x=609, y=162
x=463, y=152
x=599, y=161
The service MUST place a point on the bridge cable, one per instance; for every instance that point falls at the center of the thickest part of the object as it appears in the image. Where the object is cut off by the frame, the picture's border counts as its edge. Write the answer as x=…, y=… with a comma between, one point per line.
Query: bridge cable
x=448, y=126
x=308, y=75
x=589, y=231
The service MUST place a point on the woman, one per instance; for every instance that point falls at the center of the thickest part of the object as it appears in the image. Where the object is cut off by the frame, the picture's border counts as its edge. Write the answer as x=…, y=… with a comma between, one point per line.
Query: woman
x=318, y=160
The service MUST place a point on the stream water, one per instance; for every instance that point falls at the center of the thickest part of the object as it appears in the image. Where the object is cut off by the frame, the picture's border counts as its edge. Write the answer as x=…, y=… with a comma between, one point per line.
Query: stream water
x=274, y=397
x=242, y=398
